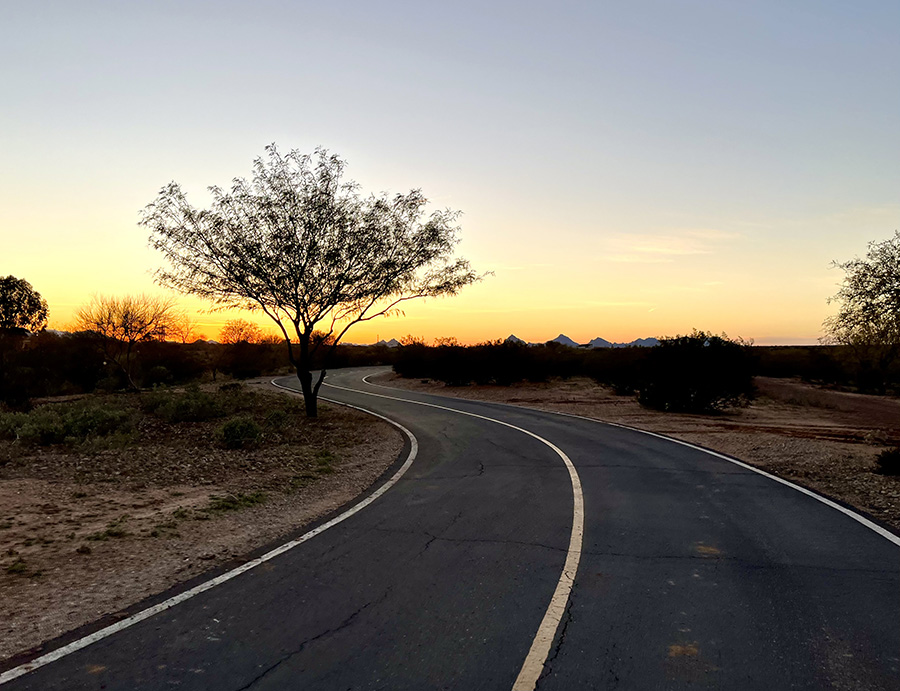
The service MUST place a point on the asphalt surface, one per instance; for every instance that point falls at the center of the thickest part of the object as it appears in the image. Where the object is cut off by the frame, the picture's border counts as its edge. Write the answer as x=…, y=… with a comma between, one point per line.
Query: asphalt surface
x=695, y=573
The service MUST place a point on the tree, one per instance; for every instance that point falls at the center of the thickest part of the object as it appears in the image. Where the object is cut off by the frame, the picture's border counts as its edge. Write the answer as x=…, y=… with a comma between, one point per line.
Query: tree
x=240, y=331
x=184, y=329
x=305, y=248
x=122, y=322
x=21, y=306
x=868, y=318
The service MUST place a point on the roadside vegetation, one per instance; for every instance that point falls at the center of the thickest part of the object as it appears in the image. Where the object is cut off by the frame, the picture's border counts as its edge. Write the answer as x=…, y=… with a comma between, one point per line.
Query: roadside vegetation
x=106, y=498
x=699, y=372
x=231, y=416
x=46, y=364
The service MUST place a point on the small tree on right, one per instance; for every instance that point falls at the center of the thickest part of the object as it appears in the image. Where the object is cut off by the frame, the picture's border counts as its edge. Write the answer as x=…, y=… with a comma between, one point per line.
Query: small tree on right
x=868, y=316
x=700, y=373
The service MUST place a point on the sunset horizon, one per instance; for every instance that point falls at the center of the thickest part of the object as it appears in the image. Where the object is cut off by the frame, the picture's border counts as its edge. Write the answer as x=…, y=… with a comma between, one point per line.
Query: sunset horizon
x=623, y=172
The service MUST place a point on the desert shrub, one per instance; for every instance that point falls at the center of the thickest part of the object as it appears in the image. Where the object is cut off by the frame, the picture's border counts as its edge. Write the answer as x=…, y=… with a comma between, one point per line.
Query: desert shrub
x=181, y=362
x=618, y=368
x=10, y=423
x=71, y=423
x=158, y=374
x=240, y=433
x=191, y=406
x=889, y=461
x=496, y=362
x=700, y=373
x=276, y=419
x=233, y=502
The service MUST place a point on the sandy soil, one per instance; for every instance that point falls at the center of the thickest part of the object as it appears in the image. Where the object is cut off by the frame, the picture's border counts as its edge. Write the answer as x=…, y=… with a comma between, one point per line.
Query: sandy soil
x=824, y=440
x=86, y=535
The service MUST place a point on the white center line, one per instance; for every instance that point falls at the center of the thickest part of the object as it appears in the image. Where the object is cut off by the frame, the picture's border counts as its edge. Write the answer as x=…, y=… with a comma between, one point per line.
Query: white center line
x=543, y=639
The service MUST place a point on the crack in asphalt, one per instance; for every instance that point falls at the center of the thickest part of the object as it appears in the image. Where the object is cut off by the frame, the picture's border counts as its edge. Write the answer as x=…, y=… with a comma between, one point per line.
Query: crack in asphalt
x=561, y=639
x=712, y=560
x=340, y=627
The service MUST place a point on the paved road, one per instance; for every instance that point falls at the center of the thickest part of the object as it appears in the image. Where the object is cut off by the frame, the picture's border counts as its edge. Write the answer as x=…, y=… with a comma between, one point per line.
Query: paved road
x=694, y=573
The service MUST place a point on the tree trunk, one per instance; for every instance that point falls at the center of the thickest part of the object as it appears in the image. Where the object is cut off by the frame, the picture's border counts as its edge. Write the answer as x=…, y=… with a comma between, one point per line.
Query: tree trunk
x=309, y=396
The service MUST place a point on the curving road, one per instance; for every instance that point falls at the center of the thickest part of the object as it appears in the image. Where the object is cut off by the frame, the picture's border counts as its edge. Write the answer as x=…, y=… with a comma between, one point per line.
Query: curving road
x=692, y=572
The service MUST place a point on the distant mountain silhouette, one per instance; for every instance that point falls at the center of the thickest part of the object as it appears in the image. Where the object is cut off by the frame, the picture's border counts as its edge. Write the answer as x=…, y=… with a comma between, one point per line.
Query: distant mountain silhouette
x=640, y=343
x=562, y=339
x=645, y=342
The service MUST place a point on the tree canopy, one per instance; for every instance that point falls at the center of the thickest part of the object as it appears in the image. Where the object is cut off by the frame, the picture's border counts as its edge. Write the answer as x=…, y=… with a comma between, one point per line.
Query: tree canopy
x=305, y=247
x=21, y=306
x=868, y=316
x=869, y=297
x=122, y=322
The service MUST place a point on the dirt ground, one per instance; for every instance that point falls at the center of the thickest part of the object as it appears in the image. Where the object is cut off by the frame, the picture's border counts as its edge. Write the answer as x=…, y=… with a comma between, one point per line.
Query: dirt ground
x=83, y=535
x=822, y=439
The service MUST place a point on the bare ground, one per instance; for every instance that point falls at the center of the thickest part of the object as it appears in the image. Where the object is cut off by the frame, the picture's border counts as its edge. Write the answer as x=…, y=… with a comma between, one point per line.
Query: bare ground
x=86, y=534
x=822, y=439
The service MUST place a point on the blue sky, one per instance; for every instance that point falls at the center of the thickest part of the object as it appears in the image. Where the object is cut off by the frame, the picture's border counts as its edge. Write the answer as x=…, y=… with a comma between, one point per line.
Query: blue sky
x=625, y=169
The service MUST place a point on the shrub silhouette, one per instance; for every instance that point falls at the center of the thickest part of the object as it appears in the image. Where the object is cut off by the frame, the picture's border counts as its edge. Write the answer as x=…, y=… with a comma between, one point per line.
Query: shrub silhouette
x=700, y=373
x=889, y=461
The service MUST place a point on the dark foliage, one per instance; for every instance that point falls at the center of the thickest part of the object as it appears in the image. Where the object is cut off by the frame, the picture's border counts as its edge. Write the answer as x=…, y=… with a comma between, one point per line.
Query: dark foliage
x=501, y=363
x=54, y=364
x=21, y=306
x=889, y=461
x=506, y=362
x=72, y=423
x=240, y=433
x=700, y=373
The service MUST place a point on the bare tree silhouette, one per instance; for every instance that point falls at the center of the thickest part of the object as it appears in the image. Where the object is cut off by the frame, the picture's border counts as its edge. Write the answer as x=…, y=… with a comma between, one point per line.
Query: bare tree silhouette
x=184, y=329
x=122, y=322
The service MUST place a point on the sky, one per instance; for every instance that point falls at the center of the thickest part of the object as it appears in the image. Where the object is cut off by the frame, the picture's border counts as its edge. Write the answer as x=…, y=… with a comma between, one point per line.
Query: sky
x=625, y=170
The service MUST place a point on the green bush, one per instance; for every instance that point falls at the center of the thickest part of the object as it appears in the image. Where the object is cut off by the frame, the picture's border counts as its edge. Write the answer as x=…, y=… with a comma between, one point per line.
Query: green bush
x=72, y=423
x=158, y=374
x=276, y=419
x=889, y=461
x=233, y=502
x=192, y=406
x=240, y=433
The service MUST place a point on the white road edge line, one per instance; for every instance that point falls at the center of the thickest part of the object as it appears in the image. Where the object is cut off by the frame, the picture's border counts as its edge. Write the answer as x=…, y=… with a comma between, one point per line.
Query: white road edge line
x=74, y=646
x=859, y=518
x=543, y=640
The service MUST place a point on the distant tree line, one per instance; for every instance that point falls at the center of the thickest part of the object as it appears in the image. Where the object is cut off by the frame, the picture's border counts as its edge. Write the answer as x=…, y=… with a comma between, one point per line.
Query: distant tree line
x=131, y=342
x=52, y=364
x=699, y=372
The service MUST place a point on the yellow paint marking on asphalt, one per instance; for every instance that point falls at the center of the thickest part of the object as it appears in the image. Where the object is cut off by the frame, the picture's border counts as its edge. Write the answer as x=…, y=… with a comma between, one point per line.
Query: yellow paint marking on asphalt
x=543, y=640
x=706, y=550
